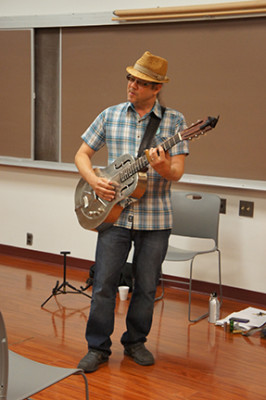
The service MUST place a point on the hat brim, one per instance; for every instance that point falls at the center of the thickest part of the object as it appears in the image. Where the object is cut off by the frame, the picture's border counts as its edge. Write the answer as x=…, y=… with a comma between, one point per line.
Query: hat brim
x=137, y=74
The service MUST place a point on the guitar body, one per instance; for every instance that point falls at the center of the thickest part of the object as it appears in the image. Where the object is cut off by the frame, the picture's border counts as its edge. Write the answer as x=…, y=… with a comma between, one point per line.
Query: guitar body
x=95, y=213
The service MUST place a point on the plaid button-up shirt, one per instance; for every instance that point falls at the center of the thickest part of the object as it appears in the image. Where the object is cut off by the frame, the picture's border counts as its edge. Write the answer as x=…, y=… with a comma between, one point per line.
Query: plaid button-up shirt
x=121, y=129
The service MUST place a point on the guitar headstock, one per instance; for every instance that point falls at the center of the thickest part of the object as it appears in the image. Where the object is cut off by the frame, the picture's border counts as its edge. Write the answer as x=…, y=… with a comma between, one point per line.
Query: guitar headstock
x=199, y=128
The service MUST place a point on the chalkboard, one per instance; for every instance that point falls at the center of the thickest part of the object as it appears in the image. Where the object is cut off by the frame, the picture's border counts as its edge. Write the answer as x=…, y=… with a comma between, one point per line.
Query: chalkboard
x=216, y=67
x=16, y=93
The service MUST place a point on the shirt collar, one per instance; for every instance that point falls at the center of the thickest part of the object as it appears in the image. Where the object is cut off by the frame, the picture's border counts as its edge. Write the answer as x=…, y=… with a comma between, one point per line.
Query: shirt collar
x=156, y=109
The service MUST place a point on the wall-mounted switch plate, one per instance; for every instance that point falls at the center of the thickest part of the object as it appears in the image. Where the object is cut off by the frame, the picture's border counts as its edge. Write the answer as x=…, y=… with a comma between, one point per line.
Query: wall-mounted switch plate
x=246, y=208
x=29, y=239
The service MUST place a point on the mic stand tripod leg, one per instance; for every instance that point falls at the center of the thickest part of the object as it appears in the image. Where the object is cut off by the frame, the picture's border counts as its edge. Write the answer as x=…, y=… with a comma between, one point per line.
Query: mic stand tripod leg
x=54, y=293
x=62, y=288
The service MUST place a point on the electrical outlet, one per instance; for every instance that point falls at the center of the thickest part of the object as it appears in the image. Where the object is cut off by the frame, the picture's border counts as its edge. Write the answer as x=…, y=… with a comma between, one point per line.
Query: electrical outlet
x=29, y=239
x=223, y=206
x=246, y=208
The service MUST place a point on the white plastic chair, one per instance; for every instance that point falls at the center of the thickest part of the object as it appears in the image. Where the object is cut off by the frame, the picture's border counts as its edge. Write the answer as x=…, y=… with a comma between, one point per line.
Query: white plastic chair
x=195, y=215
x=21, y=377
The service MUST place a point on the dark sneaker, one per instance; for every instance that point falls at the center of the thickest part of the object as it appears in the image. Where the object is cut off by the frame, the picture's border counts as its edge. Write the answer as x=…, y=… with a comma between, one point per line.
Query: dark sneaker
x=139, y=353
x=92, y=360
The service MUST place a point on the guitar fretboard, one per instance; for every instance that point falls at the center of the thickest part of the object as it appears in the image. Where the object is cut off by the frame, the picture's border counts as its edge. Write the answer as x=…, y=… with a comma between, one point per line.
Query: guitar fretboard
x=143, y=162
x=199, y=128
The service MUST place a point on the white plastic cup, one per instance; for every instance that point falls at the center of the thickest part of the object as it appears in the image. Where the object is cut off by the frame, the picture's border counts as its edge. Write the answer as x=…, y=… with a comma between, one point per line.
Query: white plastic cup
x=123, y=292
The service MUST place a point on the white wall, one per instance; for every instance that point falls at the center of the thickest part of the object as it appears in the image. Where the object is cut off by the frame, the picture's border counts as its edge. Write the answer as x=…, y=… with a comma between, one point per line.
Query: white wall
x=42, y=203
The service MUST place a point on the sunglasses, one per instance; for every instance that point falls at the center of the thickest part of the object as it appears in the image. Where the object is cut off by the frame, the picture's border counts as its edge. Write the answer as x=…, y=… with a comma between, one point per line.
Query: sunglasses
x=139, y=82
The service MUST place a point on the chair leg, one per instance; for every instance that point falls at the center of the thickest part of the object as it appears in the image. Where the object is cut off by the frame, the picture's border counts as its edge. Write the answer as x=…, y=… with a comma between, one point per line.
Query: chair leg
x=190, y=289
x=220, y=277
x=86, y=384
x=189, y=301
x=162, y=294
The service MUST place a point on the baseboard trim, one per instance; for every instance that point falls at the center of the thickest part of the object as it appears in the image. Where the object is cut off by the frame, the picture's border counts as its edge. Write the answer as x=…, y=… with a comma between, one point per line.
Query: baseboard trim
x=44, y=257
x=229, y=292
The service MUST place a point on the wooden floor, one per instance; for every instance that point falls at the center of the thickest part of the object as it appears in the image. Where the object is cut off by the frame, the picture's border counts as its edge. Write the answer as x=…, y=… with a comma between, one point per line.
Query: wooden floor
x=193, y=361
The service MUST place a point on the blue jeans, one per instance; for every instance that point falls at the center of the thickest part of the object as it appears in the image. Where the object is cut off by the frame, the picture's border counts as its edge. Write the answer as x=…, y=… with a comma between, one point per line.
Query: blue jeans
x=112, y=251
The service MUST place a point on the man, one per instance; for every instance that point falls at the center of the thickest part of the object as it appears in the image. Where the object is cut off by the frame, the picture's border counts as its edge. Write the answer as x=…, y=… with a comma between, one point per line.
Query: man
x=146, y=223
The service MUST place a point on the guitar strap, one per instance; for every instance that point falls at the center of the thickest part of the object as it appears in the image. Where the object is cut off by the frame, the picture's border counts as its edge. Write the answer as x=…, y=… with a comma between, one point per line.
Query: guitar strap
x=150, y=131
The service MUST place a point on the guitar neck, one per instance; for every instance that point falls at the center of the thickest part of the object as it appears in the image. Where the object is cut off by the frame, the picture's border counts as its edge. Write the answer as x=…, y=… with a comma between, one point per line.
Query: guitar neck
x=194, y=131
x=142, y=162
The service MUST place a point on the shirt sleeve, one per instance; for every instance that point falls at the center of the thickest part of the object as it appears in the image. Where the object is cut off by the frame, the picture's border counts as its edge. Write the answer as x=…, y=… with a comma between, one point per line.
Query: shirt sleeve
x=94, y=136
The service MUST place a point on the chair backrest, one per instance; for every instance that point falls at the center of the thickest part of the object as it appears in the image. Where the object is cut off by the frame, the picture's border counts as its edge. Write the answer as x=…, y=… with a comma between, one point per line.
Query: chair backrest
x=3, y=359
x=196, y=214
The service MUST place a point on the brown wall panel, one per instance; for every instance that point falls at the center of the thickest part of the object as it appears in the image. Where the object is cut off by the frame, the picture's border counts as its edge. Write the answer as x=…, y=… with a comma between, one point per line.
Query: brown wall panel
x=15, y=93
x=215, y=67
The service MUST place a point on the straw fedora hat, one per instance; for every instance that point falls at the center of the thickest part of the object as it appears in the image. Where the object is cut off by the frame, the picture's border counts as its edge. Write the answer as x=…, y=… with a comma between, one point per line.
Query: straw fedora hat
x=150, y=68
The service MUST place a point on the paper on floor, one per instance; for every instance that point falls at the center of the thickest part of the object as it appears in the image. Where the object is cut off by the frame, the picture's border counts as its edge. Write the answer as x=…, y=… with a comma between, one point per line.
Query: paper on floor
x=256, y=317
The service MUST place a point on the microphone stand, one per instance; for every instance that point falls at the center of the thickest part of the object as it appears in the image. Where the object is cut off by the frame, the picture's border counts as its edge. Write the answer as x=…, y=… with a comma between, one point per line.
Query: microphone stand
x=62, y=289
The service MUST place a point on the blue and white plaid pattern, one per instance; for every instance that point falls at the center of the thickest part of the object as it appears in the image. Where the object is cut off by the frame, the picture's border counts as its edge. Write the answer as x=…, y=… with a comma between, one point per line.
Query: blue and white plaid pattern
x=121, y=129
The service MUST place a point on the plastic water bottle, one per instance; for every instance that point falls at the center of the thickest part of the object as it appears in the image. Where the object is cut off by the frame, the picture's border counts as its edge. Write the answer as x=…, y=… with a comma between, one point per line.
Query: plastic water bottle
x=214, y=308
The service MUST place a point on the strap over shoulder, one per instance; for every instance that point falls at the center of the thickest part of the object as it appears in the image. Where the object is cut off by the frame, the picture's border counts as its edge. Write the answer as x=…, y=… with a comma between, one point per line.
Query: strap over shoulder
x=150, y=131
